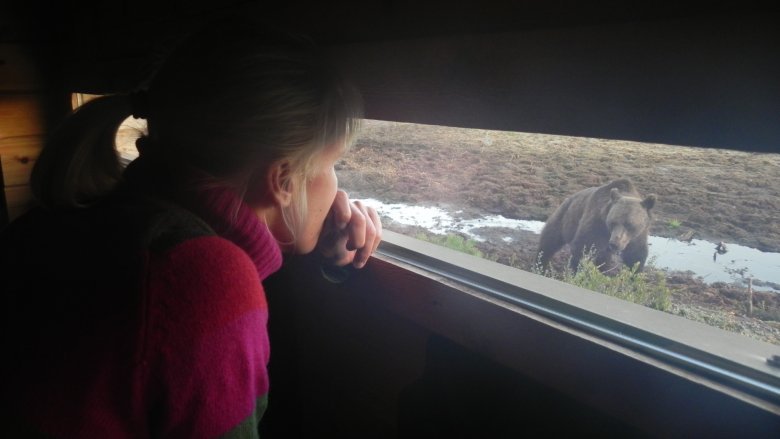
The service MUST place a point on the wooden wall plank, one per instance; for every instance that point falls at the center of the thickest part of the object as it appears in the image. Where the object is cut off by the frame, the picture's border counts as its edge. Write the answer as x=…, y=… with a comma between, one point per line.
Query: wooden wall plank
x=17, y=158
x=18, y=200
x=21, y=132
x=18, y=196
x=20, y=115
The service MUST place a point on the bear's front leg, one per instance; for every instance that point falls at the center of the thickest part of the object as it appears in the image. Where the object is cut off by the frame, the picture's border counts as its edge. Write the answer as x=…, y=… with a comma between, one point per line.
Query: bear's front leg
x=583, y=248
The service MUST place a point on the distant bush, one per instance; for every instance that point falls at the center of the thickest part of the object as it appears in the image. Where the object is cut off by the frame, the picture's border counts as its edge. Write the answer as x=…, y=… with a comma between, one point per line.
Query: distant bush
x=452, y=241
x=646, y=288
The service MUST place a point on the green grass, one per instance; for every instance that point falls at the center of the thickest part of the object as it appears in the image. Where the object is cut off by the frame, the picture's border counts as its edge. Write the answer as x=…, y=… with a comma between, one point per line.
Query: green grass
x=454, y=242
x=673, y=224
x=646, y=288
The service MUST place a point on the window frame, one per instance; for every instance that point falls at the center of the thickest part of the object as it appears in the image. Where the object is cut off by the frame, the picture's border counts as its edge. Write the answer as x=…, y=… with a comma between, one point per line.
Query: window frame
x=424, y=282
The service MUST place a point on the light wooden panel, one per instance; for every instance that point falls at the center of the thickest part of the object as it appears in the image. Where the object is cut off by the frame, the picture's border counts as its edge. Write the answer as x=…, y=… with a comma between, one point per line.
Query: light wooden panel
x=21, y=131
x=20, y=115
x=17, y=158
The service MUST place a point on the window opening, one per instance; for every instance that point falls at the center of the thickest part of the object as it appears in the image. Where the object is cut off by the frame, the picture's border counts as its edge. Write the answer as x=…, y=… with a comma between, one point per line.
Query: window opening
x=130, y=129
x=714, y=240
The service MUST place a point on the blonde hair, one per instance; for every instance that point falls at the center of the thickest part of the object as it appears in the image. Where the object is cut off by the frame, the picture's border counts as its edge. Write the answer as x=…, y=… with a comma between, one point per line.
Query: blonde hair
x=229, y=101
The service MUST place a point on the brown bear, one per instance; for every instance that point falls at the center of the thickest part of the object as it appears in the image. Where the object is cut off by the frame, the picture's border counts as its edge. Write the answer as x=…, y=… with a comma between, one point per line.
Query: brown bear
x=612, y=220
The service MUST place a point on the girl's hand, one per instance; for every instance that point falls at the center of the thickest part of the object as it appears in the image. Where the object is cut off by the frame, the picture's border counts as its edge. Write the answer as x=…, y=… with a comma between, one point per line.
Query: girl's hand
x=351, y=233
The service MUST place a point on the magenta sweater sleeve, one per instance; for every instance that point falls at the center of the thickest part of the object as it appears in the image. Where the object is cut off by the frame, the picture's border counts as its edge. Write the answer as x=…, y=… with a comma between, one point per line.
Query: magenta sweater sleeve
x=206, y=345
x=138, y=317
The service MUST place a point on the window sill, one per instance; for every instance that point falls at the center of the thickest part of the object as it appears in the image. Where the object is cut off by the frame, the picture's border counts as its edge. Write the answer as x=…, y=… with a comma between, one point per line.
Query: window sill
x=601, y=350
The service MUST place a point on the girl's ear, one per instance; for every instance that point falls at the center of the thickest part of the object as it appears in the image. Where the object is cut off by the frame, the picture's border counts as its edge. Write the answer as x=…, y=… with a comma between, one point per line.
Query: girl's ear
x=279, y=180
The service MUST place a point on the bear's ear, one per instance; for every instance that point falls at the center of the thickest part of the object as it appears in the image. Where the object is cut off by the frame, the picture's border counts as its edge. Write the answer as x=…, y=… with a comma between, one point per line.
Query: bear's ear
x=614, y=194
x=649, y=202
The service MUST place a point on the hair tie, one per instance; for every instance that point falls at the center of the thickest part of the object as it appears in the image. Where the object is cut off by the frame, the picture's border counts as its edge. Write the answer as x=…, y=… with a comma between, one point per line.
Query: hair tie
x=139, y=103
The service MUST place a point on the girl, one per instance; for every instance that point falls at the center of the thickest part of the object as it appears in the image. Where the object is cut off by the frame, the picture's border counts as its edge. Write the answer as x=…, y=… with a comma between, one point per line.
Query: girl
x=136, y=307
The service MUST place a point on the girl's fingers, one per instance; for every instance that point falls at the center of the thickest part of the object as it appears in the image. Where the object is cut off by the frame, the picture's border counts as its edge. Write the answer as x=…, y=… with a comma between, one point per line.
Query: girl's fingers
x=353, y=233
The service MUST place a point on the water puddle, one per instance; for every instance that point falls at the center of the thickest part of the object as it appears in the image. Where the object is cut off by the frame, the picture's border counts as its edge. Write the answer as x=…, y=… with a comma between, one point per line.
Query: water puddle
x=439, y=221
x=736, y=265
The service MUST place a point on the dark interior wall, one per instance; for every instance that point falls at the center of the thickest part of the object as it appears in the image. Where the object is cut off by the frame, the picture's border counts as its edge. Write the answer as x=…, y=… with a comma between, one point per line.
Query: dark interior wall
x=712, y=81
x=342, y=366
x=391, y=353
x=334, y=372
x=685, y=72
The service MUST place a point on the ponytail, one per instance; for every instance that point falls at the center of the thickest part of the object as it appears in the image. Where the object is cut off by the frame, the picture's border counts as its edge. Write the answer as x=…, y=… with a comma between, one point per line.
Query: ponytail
x=79, y=163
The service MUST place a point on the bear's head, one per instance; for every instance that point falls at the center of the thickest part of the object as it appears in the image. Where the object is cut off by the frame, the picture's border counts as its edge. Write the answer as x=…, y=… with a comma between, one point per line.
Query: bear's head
x=628, y=217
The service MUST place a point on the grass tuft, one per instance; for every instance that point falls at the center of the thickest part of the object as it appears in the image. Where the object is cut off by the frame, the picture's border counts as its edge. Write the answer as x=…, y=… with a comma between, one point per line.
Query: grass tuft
x=646, y=288
x=454, y=242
